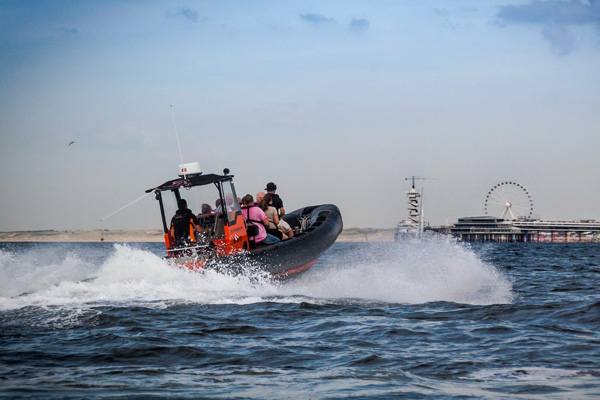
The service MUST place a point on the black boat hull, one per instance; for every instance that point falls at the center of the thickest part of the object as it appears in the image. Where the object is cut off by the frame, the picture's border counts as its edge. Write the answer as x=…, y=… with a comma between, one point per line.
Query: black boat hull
x=318, y=226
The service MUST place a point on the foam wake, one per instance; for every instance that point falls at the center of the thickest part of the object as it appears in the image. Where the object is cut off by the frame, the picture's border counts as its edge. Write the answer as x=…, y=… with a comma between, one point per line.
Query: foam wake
x=435, y=269
x=128, y=276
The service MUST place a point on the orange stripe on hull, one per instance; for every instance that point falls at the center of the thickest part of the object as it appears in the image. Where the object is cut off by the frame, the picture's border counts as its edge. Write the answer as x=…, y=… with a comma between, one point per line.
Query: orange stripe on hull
x=295, y=270
x=196, y=266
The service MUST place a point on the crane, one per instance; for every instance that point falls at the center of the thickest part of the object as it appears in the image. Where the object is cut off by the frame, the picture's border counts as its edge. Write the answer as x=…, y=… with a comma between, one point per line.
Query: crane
x=413, y=178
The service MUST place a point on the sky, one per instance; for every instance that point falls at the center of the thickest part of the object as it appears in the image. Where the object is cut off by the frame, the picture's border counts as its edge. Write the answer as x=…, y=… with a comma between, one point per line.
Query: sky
x=334, y=101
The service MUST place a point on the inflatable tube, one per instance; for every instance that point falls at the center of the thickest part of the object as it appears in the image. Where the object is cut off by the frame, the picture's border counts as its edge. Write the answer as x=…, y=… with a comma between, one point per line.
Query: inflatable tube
x=317, y=229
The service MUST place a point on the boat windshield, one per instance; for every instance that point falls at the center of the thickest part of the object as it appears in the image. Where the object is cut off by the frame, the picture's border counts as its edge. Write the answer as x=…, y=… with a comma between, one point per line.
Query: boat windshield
x=231, y=201
x=205, y=200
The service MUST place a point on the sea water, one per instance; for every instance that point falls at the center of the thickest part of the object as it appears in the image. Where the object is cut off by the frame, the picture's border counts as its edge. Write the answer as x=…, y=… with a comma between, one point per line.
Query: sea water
x=432, y=318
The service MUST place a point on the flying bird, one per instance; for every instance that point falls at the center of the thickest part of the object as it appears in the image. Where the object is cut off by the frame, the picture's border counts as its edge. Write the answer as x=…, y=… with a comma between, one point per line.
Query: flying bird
x=70, y=143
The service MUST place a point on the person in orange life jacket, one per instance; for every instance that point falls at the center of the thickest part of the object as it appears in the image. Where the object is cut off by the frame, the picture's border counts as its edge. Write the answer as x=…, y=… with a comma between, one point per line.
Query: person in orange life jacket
x=277, y=202
x=255, y=216
x=182, y=223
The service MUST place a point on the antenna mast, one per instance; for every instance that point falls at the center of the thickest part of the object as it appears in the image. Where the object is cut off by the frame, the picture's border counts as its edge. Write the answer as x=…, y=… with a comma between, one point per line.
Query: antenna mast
x=176, y=134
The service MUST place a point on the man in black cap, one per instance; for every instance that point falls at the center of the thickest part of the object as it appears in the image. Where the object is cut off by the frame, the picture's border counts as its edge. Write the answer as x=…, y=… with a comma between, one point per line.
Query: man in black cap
x=277, y=202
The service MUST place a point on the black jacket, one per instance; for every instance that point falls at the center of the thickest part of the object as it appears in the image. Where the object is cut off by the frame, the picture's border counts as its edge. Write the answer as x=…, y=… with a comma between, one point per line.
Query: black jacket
x=182, y=222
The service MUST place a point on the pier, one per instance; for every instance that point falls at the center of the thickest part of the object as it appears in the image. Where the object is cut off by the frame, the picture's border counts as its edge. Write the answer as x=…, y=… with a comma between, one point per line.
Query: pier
x=492, y=229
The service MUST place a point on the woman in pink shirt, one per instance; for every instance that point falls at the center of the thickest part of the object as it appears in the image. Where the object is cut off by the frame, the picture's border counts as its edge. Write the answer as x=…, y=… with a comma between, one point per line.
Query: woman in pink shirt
x=255, y=216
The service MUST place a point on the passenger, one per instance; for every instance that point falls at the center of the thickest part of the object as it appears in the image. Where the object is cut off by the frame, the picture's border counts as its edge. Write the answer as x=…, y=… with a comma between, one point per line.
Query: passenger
x=277, y=202
x=271, y=213
x=285, y=228
x=206, y=208
x=206, y=219
x=282, y=225
x=182, y=223
x=228, y=203
x=256, y=217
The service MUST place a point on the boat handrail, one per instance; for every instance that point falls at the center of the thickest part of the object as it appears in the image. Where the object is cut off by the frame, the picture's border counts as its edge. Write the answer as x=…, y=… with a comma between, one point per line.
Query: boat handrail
x=196, y=247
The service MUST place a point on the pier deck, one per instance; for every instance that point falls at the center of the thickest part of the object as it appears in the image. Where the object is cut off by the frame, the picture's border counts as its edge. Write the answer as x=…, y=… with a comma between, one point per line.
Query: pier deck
x=490, y=229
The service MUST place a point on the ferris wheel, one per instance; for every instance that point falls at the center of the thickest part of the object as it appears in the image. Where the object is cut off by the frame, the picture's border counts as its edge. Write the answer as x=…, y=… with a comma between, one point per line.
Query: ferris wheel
x=509, y=200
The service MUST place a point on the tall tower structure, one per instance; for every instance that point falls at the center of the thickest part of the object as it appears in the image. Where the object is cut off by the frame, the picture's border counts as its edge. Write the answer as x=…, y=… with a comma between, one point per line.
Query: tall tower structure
x=413, y=226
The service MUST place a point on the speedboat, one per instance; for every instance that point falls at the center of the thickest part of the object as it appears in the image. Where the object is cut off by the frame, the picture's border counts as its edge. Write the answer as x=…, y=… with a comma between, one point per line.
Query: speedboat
x=224, y=244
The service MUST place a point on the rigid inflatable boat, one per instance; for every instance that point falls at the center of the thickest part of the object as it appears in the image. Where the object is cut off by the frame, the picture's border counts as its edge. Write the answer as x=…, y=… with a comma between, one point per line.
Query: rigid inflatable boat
x=224, y=244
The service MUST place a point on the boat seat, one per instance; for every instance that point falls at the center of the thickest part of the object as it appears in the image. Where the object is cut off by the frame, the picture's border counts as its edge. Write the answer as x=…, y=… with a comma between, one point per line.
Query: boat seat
x=206, y=221
x=298, y=224
x=213, y=225
x=293, y=221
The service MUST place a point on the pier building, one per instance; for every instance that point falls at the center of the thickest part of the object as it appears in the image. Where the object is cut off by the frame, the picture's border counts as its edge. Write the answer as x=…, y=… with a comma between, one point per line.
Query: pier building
x=493, y=229
x=516, y=223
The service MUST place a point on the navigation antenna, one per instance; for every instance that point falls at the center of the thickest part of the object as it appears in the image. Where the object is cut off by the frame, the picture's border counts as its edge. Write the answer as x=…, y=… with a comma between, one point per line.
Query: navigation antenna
x=188, y=169
x=185, y=170
x=176, y=135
